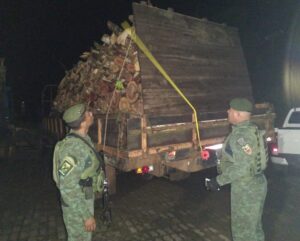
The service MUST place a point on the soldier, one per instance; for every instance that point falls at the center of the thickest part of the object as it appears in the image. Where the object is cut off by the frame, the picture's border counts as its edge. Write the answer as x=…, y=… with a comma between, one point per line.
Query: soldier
x=77, y=174
x=242, y=163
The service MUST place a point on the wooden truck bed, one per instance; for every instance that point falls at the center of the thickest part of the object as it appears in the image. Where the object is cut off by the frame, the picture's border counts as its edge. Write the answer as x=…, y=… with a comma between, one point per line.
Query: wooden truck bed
x=132, y=142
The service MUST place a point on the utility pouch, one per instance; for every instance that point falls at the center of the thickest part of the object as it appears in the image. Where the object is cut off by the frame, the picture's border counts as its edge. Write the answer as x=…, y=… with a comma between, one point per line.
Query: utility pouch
x=88, y=182
x=87, y=187
x=88, y=192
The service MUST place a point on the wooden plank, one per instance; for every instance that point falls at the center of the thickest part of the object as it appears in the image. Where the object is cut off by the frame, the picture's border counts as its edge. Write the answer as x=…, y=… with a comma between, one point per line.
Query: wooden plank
x=138, y=153
x=182, y=25
x=180, y=72
x=175, y=147
x=190, y=35
x=203, y=58
x=144, y=140
x=170, y=136
x=202, y=86
x=195, y=52
x=154, y=96
x=164, y=120
x=177, y=105
x=201, y=102
x=112, y=134
x=198, y=87
x=232, y=66
x=160, y=149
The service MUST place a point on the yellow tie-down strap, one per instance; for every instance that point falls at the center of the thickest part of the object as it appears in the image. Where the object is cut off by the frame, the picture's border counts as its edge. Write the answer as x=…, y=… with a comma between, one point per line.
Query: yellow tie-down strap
x=147, y=52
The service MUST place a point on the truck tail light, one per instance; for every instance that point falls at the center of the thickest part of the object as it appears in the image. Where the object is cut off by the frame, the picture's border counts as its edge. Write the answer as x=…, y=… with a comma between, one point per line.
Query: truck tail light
x=144, y=170
x=209, y=151
x=273, y=144
x=205, y=155
x=274, y=149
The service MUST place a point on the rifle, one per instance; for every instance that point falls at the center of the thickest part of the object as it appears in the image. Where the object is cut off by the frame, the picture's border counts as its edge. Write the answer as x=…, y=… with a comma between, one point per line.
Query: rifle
x=106, y=205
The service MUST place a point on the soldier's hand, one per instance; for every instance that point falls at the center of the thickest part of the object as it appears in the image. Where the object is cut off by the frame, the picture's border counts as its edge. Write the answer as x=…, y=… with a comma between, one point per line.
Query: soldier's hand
x=90, y=224
x=212, y=184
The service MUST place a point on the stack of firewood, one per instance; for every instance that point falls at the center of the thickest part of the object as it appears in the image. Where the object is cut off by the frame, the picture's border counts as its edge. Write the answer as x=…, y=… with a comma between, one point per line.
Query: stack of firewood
x=107, y=78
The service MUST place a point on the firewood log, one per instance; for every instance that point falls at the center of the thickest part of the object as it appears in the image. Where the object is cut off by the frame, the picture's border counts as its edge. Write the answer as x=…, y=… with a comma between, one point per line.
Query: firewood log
x=92, y=80
x=132, y=92
x=124, y=105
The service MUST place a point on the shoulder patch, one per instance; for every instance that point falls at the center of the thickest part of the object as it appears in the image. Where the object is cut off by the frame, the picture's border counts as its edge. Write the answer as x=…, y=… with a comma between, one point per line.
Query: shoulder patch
x=245, y=146
x=247, y=149
x=68, y=164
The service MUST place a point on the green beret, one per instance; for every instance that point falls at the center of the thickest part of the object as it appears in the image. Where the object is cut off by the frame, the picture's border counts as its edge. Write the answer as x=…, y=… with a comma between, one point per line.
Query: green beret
x=241, y=104
x=74, y=113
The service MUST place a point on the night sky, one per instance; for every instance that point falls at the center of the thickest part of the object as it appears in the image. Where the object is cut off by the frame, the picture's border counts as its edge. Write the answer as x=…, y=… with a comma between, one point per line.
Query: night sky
x=41, y=39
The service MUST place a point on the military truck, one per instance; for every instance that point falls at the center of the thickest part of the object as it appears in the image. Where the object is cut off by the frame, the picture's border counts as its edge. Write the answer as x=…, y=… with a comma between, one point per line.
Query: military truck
x=205, y=60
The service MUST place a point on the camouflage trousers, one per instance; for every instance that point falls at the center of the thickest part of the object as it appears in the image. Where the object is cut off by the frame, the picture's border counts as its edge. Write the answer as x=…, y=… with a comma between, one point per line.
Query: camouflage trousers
x=75, y=224
x=247, y=202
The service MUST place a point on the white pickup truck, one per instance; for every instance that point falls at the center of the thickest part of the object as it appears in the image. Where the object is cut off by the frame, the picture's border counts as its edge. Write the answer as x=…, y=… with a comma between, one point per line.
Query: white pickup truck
x=287, y=147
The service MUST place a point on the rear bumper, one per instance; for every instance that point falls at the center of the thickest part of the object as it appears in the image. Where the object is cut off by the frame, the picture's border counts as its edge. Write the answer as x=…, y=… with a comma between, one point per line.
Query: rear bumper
x=286, y=159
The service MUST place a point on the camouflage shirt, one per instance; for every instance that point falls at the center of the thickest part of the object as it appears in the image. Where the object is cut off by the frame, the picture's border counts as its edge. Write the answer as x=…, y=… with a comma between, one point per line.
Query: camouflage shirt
x=238, y=154
x=71, y=158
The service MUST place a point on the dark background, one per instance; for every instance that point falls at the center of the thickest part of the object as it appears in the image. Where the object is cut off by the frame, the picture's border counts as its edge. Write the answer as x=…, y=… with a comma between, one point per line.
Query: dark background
x=41, y=39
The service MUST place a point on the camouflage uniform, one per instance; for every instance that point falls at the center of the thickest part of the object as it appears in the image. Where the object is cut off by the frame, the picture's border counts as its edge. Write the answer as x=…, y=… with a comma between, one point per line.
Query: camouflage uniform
x=248, y=190
x=73, y=158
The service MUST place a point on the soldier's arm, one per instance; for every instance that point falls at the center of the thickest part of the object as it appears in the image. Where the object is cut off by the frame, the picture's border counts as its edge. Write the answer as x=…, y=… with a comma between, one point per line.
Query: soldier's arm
x=242, y=154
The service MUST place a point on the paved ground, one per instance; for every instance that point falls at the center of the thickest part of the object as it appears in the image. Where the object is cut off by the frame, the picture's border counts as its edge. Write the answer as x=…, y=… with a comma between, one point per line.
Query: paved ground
x=142, y=210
